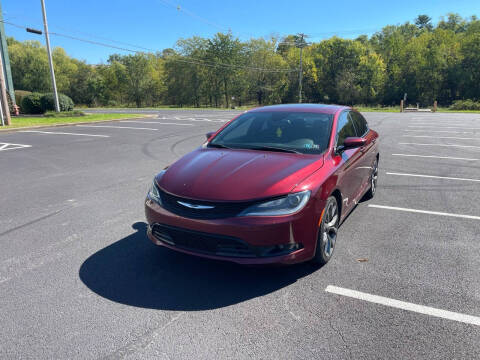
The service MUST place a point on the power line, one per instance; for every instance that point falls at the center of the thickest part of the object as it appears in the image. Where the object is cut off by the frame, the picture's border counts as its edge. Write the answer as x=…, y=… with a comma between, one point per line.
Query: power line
x=192, y=61
x=192, y=14
x=84, y=33
x=93, y=42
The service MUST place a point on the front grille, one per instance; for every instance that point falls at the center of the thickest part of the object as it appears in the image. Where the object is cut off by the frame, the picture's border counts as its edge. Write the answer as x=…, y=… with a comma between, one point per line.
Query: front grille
x=211, y=244
x=220, y=210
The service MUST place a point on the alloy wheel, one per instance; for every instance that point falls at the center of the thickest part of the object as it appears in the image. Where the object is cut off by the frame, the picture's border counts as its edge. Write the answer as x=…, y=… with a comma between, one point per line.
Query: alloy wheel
x=330, y=228
x=374, y=178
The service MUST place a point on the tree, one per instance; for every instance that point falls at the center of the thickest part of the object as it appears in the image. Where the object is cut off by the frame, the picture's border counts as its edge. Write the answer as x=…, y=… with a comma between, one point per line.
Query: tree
x=138, y=71
x=428, y=62
x=424, y=22
x=29, y=64
x=226, y=51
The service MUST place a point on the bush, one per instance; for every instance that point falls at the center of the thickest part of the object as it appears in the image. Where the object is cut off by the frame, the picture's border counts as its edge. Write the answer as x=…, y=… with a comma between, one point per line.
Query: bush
x=19, y=95
x=48, y=102
x=54, y=114
x=465, y=105
x=31, y=104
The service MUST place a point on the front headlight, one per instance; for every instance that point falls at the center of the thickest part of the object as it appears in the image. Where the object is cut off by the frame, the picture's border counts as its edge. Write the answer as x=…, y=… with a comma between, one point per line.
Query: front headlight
x=154, y=194
x=283, y=206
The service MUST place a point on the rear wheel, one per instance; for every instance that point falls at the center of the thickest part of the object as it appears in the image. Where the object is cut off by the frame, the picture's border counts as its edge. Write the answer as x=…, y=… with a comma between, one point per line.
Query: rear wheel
x=327, y=235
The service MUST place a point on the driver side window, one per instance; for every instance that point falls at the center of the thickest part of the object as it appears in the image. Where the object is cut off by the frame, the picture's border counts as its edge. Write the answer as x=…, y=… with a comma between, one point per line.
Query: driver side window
x=345, y=128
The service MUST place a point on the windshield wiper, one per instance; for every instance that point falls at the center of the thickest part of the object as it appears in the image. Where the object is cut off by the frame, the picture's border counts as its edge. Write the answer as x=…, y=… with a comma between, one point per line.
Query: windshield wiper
x=273, y=148
x=219, y=146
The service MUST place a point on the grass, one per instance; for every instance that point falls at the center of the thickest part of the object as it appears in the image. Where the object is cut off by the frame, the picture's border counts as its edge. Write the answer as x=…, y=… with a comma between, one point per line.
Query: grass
x=397, y=109
x=441, y=109
x=64, y=114
x=362, y=108
x=28, y=121
x=377, y=108
x=166, y=107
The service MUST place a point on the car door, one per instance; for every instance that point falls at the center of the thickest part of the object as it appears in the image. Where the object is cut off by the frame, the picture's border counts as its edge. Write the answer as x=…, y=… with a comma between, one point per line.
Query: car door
x=367, y=153
x=349, y=162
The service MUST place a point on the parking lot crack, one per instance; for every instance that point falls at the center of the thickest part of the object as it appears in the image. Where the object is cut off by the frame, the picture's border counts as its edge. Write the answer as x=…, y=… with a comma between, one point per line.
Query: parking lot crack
x=340, y=334
x=142, y=342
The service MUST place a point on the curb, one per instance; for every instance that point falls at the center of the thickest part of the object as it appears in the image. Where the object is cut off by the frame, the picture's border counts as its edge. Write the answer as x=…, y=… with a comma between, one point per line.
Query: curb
x=70, y=124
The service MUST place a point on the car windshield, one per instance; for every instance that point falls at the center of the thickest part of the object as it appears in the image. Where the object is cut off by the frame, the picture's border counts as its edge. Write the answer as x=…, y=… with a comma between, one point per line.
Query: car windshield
x=298, y=132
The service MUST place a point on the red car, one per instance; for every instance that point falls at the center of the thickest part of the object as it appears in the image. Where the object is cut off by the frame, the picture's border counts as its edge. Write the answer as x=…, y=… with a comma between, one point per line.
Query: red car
x=271, y=186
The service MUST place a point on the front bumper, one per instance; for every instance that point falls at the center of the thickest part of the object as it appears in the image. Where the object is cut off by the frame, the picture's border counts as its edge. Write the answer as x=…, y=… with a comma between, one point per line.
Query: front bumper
x=244, y=240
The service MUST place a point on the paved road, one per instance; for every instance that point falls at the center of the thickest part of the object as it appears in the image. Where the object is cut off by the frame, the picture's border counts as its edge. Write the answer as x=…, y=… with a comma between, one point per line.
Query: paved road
x=79, y=279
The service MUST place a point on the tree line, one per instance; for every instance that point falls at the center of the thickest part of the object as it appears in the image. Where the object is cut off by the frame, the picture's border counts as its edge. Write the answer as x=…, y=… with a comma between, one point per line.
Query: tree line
x=428, y=62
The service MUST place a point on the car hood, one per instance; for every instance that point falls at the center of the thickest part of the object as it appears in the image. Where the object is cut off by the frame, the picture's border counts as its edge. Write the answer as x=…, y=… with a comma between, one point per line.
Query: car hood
x=237, y=175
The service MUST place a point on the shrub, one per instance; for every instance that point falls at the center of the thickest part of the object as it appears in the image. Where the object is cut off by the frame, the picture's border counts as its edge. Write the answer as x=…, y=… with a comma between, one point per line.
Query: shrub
x=465, y=105
x=19, y=95
x=48, y=102
x=31, y=104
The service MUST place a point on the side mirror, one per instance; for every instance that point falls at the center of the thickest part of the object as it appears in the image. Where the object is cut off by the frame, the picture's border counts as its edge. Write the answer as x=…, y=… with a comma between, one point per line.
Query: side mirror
x=210, y=134
x=354, y=142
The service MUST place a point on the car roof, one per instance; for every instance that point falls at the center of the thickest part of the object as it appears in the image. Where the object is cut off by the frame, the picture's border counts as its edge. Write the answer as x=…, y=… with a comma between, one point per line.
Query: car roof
x=320, y=108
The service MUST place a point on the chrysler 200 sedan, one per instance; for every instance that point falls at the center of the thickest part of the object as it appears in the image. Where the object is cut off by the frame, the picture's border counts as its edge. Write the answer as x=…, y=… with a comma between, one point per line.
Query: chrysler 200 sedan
x=271, y=186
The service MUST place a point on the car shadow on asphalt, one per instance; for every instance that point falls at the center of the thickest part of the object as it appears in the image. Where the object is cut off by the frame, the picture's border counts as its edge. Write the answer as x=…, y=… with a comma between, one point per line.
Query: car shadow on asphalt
x=134, y=271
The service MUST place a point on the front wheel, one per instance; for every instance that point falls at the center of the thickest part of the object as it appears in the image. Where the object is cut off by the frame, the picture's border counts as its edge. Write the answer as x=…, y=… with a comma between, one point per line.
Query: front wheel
x=373, y=181
x=327, y=235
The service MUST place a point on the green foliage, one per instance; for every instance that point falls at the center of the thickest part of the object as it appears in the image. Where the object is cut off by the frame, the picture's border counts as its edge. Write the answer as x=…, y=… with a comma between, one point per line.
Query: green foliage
x=465, y=105
x=29, y=65
x=19, y=95
x=31, y=104
x=47, y=102
x=428, y=62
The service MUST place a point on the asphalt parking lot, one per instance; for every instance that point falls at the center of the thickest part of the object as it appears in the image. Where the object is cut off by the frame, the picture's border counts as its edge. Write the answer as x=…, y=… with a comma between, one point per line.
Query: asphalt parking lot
x=79, y=279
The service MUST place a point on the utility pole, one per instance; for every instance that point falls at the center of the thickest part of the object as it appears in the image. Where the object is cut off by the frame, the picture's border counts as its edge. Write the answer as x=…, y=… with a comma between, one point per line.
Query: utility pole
x=300, y=44
x=3, y=93
x=6, y=60
x=54, y=83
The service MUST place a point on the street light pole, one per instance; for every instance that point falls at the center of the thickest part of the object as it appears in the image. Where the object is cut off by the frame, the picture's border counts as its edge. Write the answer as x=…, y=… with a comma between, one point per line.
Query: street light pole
x=54, y=83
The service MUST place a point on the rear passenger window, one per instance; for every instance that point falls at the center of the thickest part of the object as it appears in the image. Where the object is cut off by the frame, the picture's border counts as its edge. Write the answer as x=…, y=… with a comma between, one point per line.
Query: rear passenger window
x=345, y=128
x=360, y=123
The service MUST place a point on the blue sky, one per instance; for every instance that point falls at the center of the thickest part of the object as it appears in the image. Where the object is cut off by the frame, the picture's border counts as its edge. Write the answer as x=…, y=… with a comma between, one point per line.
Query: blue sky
x=157, y=24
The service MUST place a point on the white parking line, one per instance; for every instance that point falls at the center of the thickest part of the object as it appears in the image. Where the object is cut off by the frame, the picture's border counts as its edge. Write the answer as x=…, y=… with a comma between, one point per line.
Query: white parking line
x=155, y=122
x=10, y=146
x=403, y=305
x=443, y=127
x=436, y=157
x=440, y=137
x=447, y=145
x=193, y=119
x=444, y=131
x=472, y=217
x=61, y=133
x=118, y=127
x=433, y=176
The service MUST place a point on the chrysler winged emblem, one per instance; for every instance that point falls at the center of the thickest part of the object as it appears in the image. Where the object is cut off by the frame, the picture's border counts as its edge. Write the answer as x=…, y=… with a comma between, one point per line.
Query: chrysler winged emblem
x=195, y=206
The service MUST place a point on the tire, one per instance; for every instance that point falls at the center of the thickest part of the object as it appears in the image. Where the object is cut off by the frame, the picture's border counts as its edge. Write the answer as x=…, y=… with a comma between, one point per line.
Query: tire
x=327, y=234
x=373, y=181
